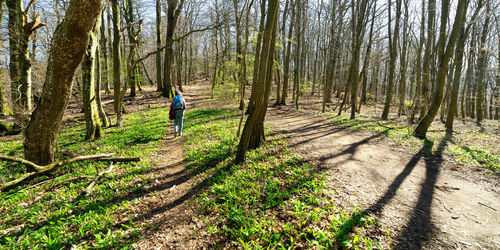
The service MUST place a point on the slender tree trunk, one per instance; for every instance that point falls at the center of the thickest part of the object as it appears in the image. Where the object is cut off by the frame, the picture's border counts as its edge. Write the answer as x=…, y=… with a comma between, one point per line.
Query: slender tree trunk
x=403, y=65
x=444, y=54
x=297, y=58
x=358, y=22
x=92, y=120
x=104, y=50
x=364, y=71
x=427, y=58
x=97, y=91
x=496, y=90
x=158, y=45
x=256, y=68
x=241, y=82
x=117, y=85
x=69, y=43
x=253, y=132
x=132, y=39
x=4, y=109
x=174, y=9
x=393, y=43
x=110, y=46
x=15, y=22
x=483, y=58
x=286, y=66
x=418, y=90
x=332, y=49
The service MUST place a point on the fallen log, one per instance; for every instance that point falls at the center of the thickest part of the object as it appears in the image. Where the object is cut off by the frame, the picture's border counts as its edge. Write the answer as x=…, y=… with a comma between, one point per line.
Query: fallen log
x=36, y=169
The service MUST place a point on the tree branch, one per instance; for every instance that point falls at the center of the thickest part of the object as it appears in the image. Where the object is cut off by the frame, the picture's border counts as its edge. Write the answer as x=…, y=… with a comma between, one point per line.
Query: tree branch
x=39, y=170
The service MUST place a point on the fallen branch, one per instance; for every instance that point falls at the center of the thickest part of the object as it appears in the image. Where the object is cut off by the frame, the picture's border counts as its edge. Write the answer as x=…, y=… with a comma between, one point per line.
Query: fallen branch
x=36, y=169
x=58, y=184
x=90, y=187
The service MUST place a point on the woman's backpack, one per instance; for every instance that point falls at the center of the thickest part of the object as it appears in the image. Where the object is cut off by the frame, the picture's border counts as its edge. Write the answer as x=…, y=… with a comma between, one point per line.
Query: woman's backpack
x=178, y=105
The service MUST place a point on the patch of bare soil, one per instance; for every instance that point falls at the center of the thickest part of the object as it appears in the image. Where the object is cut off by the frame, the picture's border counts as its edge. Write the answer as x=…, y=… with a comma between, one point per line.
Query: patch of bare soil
x=422, y=199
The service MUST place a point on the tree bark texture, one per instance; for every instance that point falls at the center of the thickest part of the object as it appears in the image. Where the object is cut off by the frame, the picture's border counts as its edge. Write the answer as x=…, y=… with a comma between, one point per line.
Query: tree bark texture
x=117, y=77
x=92, y=120
x=393, y=43
x=69, y=44
x=174, y=9
x=253, y=132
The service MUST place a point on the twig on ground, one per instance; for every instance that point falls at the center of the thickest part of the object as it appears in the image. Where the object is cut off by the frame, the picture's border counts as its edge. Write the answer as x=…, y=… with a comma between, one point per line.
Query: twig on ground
x=90, y=187
x=486, y=206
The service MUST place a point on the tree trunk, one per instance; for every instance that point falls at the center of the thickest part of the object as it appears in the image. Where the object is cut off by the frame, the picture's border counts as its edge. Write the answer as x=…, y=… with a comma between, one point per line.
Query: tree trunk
x=403, y=65
x=483, y=58
x=241, y=81
x=92, y=120
x=358, y=22
x=393, y=43
x=427, y=58
x=117, y=85
x=297, y=58
x=158, y=45
x=174, y=9
x=20, y=32
x=253, y=132
x=110, y=46
x=69, y=43
x=286, y=69
x=103, y=43
x=418, y=89
x=444, y=55
x=256, y=68
x=496, y=90
x=4, y=109
x=132, y=40
x=97, y=91
x=364, y=71
x=14, y=11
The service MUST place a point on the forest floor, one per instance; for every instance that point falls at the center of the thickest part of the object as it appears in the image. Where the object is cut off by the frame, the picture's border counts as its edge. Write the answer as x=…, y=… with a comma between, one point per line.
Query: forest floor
x=422, y=196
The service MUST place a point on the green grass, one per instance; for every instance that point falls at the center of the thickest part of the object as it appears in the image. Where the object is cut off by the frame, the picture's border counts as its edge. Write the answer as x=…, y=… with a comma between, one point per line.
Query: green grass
x=274, y=200
x=56, y=216
x=466, y=147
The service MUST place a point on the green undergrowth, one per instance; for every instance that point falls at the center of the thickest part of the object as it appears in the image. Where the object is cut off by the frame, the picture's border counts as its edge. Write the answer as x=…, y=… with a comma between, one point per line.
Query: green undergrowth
x=470, y=148
x=56, y=215
x=273, y=200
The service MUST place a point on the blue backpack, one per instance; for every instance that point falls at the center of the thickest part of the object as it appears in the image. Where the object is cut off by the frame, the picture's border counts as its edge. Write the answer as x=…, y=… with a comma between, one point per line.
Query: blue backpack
x=178, y=103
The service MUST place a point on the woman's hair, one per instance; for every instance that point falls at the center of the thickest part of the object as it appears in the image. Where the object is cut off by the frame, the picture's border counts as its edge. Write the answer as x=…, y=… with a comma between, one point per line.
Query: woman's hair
x=178, y=93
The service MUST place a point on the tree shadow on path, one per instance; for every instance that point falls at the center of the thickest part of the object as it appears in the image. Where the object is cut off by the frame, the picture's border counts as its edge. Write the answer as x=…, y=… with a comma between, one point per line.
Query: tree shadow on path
x=419, y=228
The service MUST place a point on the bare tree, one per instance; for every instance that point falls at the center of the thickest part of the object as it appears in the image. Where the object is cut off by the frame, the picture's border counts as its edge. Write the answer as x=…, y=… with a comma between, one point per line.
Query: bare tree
x=445, y=52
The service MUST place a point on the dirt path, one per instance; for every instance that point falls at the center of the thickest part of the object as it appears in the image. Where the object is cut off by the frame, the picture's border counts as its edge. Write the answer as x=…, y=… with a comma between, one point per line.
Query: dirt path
x=166, y=212
x=418, y=198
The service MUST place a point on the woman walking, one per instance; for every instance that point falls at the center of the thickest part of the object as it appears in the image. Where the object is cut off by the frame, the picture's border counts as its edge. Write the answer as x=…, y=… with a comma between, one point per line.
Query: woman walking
x=177, y=108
